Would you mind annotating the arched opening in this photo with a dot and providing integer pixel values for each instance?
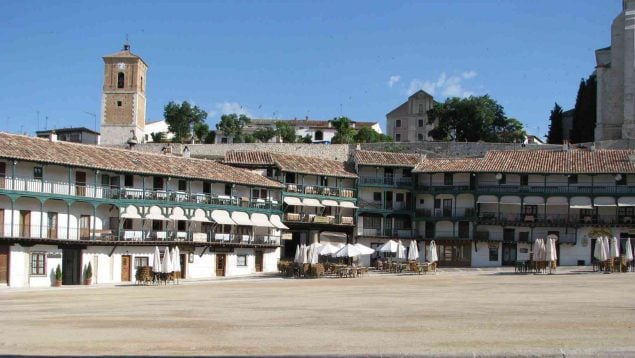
(319, 135)
(120, 80)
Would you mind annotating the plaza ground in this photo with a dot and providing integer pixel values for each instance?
(575, 312)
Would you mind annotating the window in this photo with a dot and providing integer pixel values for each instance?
(420, 137)
(228, 189)
(429, 230)
(398, 123)
(289, 177)
(119, 103)
(319, 135)
(420, 108)
(75, 138)
(37, 173)
(503, 179)
(493, 253)
(407, 172)
(508, 235)
(105, 180)
(241, 260)
(421, 201)
(530, 209)
(223, 140)
(182, 185)
(622, 179)
(324, 181)
(51, 224)
(180, 226)
(120, 80)
(399, 197)
(421, 123)
(523, 236)
(128, 180)
(157, 183)
(127, 224)
(573, 179)
(524, 180)
(376, 196)
(38, 264)
(141, 84)
(157, 225)
(141, 261)
(3, 169)
(448, 179)
(207, 187)
(397, 137)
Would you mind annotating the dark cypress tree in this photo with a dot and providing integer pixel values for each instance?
(555, 125)
(584, 113)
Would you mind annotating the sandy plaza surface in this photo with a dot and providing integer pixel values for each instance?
(455, 312)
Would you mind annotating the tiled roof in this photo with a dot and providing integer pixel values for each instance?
(315, 166)
(248, 157)
(121, 160)
(367, 157)
(564, 162)
(306, 123)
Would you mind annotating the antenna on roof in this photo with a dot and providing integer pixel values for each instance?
(126, 46)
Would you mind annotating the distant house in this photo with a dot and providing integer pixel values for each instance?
(159, 126)
(532, 139)
(75, 135)
(409, 122)
(320, 131)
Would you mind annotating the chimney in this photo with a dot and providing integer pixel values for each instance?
(53, 136)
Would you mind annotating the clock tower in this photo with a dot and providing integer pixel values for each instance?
(123, 103)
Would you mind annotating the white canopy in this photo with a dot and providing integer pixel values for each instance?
(292, 200)
(401, 251)
(312, 252)
(275, 220)
(166, 264)
(413, 252)
(348, 204)
(550, 250)
(557, 200)
(327, 202)
(628, 251)
(156, 260)
(487, 199)
(626, 201)
(534, 200)
(510, 200)
(176, 261)
(155, 214)
(200, 215)
(365, 250)
(348, 251)
(389, 246)
(241, 218)
(312, 202)
(328, 249)
(130, 212)
(580, 202)
(177, 214)
(432, 255)
(604, 201)
(222, 217)
(260, 219)
(615, 247)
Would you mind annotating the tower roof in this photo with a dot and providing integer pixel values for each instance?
(124, 53)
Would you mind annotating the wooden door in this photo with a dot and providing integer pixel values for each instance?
(183, 261)
(125, 268)
(4, 264)
(1, 222)
(3, 174)
(509, 254)
(52, 225)
(259, 258)
(84, 227)
(25, 223)
(220, 264)
(71, 266)
(80, 183)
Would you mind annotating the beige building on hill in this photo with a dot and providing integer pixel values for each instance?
(123, 107)
(409, 122)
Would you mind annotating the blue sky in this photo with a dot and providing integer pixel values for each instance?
(286, 59)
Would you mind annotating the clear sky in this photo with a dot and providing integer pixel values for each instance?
(286, 59)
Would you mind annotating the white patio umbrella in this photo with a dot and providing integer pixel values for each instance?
(298, 255)
(413, 253)
(327, 249)
(401, 251)
(156, 262)
(603, 251)
(607, 247)
(176, 261)
(166, 264)
(431, 255)
(365, 250)
(348, 250)
(389, 246)
(536, 249)
(550, 250)
(312, 256)
(628, 248)
(597, 251)
(615, 247)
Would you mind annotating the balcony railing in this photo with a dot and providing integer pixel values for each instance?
(553, 219)
(442, 188)
(389, 205)
(319, 219)
(320, 190)
(488, 236)
(461, 214)
(386, 181)
(104, 192)
(547, 189)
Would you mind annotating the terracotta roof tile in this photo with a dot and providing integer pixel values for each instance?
(316, 166)
(248, 157)
(121, 160)
(367, 157)
(431, 165)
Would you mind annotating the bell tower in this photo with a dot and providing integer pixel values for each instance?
(123, 104)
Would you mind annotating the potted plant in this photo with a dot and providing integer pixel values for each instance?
(88, 275)
(58, 276)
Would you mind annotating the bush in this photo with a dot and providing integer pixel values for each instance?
(58, 273)
(89, 271)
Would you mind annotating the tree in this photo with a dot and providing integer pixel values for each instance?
(249, 138)
(201, 131)
(285, 132)
(369, 135)
(181, 118)
(344, 129)
(264, 134)
(232, 125)
(584, 113)
(555, 125)
(306, 139)
(472, 119)
(158, 137)
(211, 136)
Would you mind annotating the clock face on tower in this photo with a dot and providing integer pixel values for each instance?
(121, 66)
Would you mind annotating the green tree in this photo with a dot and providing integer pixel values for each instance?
(158, 137)
(181, 119)
(264, 134)
(584, 113)
(285, 132)
(472, 119)
(344, 130)
(555, 125)
(232, 125)
(211, 136)
(369, 135)
(306, 139)
(201, 131)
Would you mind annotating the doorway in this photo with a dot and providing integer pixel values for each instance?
(4, 264)
(259, 258)
(80, 183)
(509, 254)
(125, 268)
(25, 223)
(220, 264)
(181, 274)
(71, 266)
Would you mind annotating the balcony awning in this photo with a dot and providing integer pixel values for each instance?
(155, 214)
(130, 212)
(292, 200)
(534, 200)
(277, 222)
(604, 201)
(178, 214)
(626, 201)
(510, 200)
(327, 202)
(487, 199)
(557, 200)
(222, 217)
(312, 202)
(580, 202)
(261, 220)
(241, 218)
(348, 204)
(200, 215)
